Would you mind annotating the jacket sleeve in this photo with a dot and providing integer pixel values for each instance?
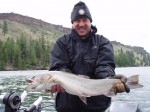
(59, 59)
(105, 64)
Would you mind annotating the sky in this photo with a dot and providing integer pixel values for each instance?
(124, 21)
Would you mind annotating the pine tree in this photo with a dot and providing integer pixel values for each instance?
(17, 57)
(5, 28)
(1, 56)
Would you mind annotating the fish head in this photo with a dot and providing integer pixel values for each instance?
(42, 78)
(31, 87)
(38, 82)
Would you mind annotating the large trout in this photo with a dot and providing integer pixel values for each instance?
(75, 85)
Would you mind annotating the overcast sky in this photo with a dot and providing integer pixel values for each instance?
(125, 21)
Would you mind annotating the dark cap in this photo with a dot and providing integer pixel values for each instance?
(80, 10)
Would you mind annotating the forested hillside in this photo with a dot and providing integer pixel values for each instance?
(25, 43)
(126, 55)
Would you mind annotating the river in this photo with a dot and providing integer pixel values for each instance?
(15, 81)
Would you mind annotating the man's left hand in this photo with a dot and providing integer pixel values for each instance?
(121, 86)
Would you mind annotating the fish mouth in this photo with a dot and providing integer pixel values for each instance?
(29, 80)
(31, 87)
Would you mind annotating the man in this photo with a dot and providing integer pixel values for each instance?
(86, 53)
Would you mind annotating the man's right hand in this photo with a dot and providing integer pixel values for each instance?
(57, 88)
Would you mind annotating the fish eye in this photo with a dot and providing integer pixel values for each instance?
(33, 77)
(34, 87)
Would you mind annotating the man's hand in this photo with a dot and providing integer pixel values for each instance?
(56, 88)
(121, 77)
(121, 86)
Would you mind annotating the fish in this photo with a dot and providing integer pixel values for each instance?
(74, 84)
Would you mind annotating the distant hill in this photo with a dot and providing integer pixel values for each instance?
(32, 27)
(139, 54)
(35, 28)
(32, 21)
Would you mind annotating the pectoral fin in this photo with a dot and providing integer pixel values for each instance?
(52, 96)
(111, 93)
(83, 99)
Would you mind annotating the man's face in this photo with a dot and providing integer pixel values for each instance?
(82, 26)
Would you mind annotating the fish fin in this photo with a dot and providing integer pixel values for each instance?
(52, 96)
(83, 99)
(133, 82)
(84, 76)
(111, 93)
(135, 86)
(134, 79)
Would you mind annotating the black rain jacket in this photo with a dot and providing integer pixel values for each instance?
(92, 56)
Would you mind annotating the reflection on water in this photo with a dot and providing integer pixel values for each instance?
(15, 81)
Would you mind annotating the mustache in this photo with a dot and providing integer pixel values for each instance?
(81, 27)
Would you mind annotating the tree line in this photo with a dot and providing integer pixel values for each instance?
(28, 53)
(25, 53)
(129, 59)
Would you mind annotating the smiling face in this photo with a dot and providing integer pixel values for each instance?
(82, 26)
